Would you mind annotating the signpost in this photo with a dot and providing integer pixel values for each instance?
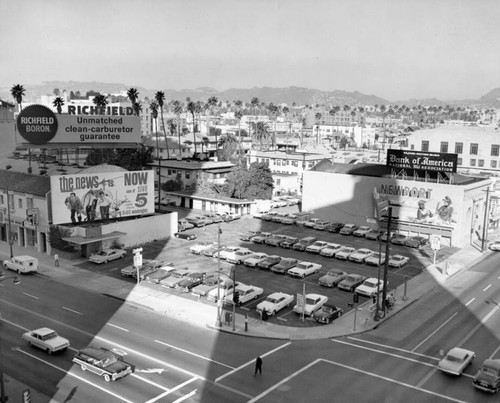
(137, 261)
(435, 241)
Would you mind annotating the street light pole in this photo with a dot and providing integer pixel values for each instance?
(219, 319)
(9, 228)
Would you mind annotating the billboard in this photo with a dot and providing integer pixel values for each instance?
(423, 161)
(39, 125)
(99, 197)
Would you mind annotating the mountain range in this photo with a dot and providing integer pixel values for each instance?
(287, 95)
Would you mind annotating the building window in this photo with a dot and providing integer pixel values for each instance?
(1, 200)
(472, 162)
(278, 182)
(459, 161)
(425, 145)
(188, 175)
(29, 202)
(459, 148)
(495, 150)
(444, 147)
(481, 163)
(278, 162)
(473, 148)
(169, 172)
(412, 147)
(493, 164)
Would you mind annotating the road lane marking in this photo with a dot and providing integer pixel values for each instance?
(391, 347)
(72, 310)
(435, 331)
(470, 302)
(118, 327)
(75, 376)
(274, 387)
(185, 397)
(489, 285)
(31, 296)
(494, 352)
(385, 352)
(150, 382)
(181, 385)
(194, 354)
(251, 362)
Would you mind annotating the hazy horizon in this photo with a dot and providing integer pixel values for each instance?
(393, 49)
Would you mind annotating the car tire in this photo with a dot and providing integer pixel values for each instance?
(273, 313)
(327, 321)
(107, 378)
(83, 367)
(340, 314)
(303, 276)
(49, 351)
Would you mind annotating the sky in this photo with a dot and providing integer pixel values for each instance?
(395, 49)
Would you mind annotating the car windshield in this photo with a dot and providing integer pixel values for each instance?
(489, 371)
(333, 273)
(453, 358)
(102, 253)
(311, 301)
(370, 283)
(351, 279)
(49, 336)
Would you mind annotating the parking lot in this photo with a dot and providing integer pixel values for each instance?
(176, 251)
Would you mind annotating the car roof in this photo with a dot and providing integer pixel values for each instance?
(43, 331)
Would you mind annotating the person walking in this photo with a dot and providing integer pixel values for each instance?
(56, 260)
(258, 366)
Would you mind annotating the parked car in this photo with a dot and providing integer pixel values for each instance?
(416, 242)
(456, 360)
(332, 278)
(245, 292)
(288, 242)
(495, 246)
(362, 231)
(316, 247)
(275, 240)
(247, 236)
(321, 225)
(224, 288)
(290, 219)
(268, 216)
(212, 250)
(360, 255)
(284, 265)
(387, 235)
(348, 229)
(312, 303)
(398, 260)
(304, 243)
(225, 252)
(107, 255)
(311, 222)
(269, 262)
(374, 234)
(198, 221)
(345, 252)
(227, 217)
(190, 281)
(214, 218)
(399, 239)
(46, 339)
(184, 225)
(252, 261)
(371, 286)
(274, 303)
(209, 283)
(351, 282)
(330, 249)
(377, 259)
(335, 227)
(488, 376)
(261, 238)
(239, 256)
(200, 247)
(22, 264)
(103, 362)
(303, 269)
(149, 268)
(189, 236)
(160, 274)
(175, 277)
(147, 264)
(278, 217)
(327, 313)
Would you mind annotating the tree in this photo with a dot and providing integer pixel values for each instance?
(229, 144)
(317, 117)
(238, 115)
(133, 96)
(212, 103)
(261, 132)
(177, 109)
(191, 108)
(58, 104)
(160, 100)
(17, 92)
(100, 101)
(250, 183)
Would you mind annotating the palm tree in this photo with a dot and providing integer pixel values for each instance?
(212, 103)
(100, 101)
(177, 109)
(58, 104)
(160, 100)
(261, 132)
(254, 103)
(191, 108)
(317, 117)
(133, 95)
(137, 108)
(238, 115)
(17, 92)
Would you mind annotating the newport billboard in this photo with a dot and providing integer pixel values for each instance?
(100, 197)
(422, 161)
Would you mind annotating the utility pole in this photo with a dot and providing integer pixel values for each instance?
(9, 227)
(386, 264)
(485, 222)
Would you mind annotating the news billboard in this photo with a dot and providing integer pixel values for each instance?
(422, 161)
(40, 126)
(100, 197)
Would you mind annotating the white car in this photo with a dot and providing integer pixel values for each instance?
(245, 293)
(176, 276)
(274, 302)
(227, 251)
(456, 360)
(312, 303)
(362, 231)
(221, 291)
(371, 286)
(330, 249)
(360, 255)
(376, 259)
(46, 339)
(345, 252)
(311, 222)
(304, 269)
(316, 247)
(200, 247)
(254, 260)
(239, 256)
(495, 246)
(107, 255)
(398, 260)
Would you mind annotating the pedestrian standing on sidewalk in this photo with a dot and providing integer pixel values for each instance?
(258, 366)
(56, 260)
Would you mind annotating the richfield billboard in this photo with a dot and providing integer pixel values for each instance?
(100, 197)
(40, 126)
(422, 161)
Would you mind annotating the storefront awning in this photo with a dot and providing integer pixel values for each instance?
(80, 240)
